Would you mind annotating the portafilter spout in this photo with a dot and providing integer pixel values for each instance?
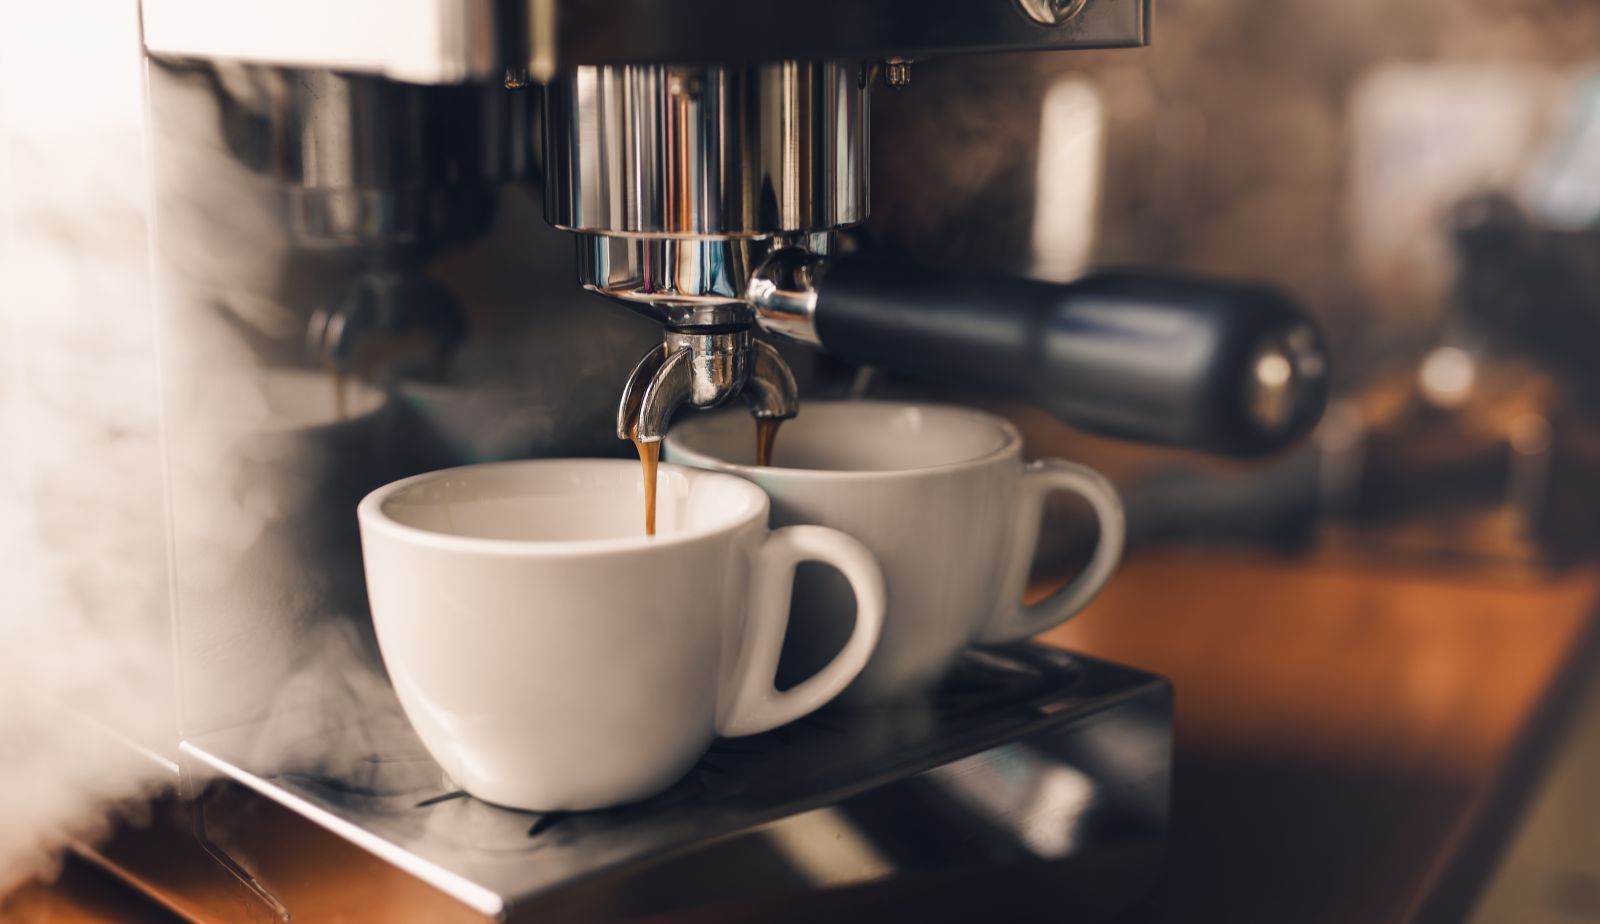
(704, 368)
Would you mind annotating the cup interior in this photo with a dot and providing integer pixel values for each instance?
(582, 501)
(849, 436)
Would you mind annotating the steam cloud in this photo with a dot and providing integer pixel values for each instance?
(85, 669)
(89, 687)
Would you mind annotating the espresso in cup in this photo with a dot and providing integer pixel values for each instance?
(551, 656)
(942, 498)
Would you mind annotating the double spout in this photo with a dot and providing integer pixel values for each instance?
(705, 365)
(705, 369)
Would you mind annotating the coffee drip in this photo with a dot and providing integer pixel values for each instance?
(650, 462)
(766, 436)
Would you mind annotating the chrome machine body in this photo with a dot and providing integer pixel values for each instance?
(364, 218)
(680, 181)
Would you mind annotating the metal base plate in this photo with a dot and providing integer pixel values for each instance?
(1026, 754)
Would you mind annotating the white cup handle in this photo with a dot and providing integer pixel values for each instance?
(757, 705)
(1013, 621)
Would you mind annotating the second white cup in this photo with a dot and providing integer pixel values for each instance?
(942, 498)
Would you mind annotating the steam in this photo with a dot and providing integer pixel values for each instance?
(90, 685)
(86, 700)
(337, 718)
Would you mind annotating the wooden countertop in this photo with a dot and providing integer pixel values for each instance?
(1351, 737)
(1348, 737)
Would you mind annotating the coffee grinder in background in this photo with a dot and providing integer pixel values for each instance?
(364, 223)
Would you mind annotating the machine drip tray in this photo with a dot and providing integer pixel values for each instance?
(1028, 754)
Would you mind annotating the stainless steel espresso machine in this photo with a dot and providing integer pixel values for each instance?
(364, 220)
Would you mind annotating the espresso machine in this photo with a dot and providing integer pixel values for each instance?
(364, 219)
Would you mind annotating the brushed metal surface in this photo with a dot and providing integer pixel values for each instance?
(1030, 754)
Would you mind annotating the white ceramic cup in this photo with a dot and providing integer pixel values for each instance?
(942, 498)
(551, 656)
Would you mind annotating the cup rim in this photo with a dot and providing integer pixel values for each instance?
(1012, 447)
(371, 515)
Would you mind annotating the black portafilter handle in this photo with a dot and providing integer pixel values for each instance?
(1199, 364)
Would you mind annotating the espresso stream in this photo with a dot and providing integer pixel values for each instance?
(766, 436)
(650, 462)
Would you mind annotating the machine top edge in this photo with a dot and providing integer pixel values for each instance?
(454, 41)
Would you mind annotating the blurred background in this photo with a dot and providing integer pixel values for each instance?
(1423, 180)
(1383, 641)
